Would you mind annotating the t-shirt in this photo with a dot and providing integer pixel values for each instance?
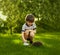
(26, 27)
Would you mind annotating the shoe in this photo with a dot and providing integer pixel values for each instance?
(26, 44)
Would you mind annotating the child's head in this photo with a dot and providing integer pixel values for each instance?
(30, 19)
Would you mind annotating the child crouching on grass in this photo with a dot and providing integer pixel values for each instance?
(28, 29)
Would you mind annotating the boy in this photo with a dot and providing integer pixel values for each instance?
(28, 29)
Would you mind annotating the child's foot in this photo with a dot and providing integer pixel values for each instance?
(26, 44)
(31, 42)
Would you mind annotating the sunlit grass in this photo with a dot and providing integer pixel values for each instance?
(13, 45)
(17, 41)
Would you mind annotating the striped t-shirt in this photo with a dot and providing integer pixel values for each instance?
(26, 27)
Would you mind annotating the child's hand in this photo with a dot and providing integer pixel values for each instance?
(25, 40)
(30, 30)
(34, 31)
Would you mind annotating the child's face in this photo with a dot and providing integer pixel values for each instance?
(29, 23)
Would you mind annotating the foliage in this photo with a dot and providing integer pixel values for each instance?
(45, 11)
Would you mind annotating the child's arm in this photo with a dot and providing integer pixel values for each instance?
(23, 29)
(23, 37)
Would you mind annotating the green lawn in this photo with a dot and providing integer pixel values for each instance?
(12, 45)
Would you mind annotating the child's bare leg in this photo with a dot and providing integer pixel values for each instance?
(31, 36)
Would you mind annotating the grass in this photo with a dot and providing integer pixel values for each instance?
(12, 45)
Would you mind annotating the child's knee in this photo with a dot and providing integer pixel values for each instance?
(32, 34)
(25, 35)
(27, 32)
